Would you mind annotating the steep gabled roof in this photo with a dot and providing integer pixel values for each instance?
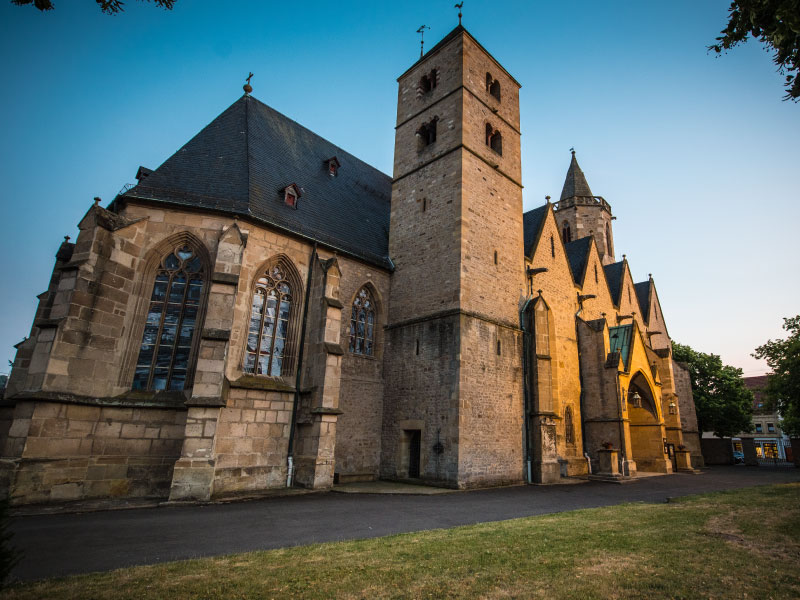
(614, 274)
(578, 256)
(240, 163)
(575, 183)
(642, 290)
(532, 222)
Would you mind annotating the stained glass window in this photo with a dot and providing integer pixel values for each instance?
(362, 324)
(269, 324)
(169, 330)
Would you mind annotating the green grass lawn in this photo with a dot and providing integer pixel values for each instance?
(739, 544)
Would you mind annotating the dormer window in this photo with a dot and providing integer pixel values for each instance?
(493, 86)
(333, 166)
(426, 134)
(291, 194)
(427, 83)
(493, 139)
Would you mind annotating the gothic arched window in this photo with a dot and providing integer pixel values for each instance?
(269, 324)
(492, 86)
(168, 341)
(566, 234)
(494, 139)
(362, 324)
(569, 429)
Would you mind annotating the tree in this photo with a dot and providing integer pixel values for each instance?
(776, 23)
(110, 7)
(783, 384)
(724, 404)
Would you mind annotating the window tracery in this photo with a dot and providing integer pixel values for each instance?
(269, 324)
(362, 324)
(168, 340)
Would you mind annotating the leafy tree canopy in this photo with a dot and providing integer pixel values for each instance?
(776, 23)
(110, 7)
(783, 384)
(723, 403)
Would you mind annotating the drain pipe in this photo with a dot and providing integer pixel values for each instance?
(296, 403)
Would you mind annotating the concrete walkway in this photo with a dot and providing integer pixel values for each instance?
(63, 544)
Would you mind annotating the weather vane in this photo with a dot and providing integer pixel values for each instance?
(247, 87)
(459, 6)
(572, 150)
(421, 32)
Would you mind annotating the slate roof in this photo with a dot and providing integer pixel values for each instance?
(578, 255)
(614, 273)
(575, 183)
(531, 224)
(240, 163)
(642, 290)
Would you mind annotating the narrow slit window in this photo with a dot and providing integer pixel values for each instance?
(552, 247)
(417, 348)
(498, 347)
(495, 257)
(566, 234)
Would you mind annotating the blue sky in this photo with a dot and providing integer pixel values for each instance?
(697, 155)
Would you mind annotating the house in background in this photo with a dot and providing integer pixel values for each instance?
(770, 442)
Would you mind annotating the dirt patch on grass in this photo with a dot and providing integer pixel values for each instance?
(724, 527)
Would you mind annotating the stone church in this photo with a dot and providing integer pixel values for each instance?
(266, 310)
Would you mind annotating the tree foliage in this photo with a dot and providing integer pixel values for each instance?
(110, 7)
(723, 403)
(783, 384)
(776, 23)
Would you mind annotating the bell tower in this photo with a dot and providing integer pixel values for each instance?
(453, 388)
(580, 213)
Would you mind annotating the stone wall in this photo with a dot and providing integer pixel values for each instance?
(72, 451)
(691, 433)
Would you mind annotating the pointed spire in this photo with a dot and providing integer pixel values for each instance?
(575, 184)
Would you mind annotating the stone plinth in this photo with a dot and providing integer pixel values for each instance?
(683, 460)
(608, 462)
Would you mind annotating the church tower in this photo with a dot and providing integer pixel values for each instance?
(580, 213)
(453, 388)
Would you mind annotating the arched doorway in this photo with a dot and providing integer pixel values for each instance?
(646, 426)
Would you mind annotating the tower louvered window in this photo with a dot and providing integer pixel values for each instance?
(269, 324)
(168, 340)
(362, 324)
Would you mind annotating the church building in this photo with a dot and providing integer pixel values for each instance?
(264, 310)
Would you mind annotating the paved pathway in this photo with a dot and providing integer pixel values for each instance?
(63, 544)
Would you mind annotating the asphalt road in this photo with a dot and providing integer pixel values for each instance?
(64, 544)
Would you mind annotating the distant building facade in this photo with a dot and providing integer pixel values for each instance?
(769, 441)
(264, 310)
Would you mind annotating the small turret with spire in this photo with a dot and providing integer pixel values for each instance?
(580, 213)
